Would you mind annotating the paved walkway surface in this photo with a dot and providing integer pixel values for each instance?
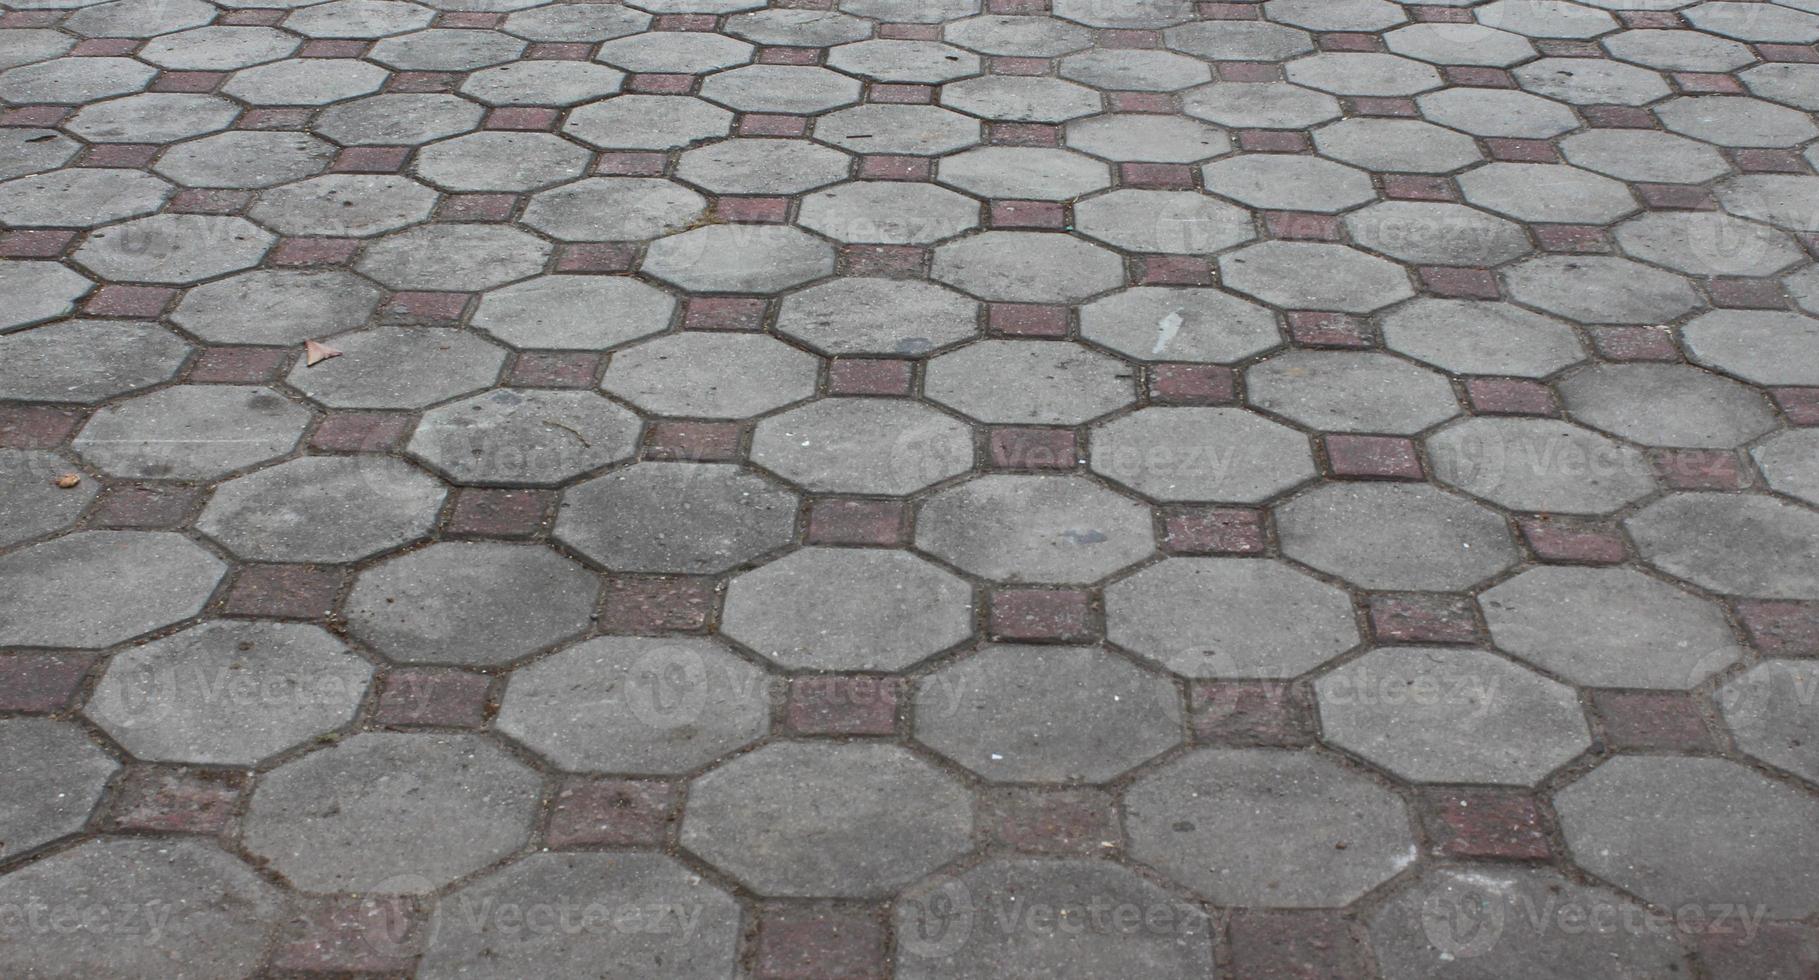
(1068, 488)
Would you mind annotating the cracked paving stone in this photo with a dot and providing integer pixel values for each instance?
(229, 692)
(1768, 709)
(848, 609)
(31, 503)
(87, 361)
(1540, 465)
(33, 292)
(1396, 145)
(56, 777)
(762, 166)
(1450, 715)
(80, 198)
(1732, 544)
(454, 257)
(1352, 281)
(888, 213)
(781, 88)
(501, 161)
(1027, 267)
(647, 122)
(574, 312)
(174, 248)
(738, 259)
(1395, 536)
(1437, 234)
(1022, 172)
(639, 705)
(1201, 454)
(815, 819)
(1471, 337)
(344, 205)
(1229, 618)
(153, 118)
(1017, 98)
(711, 375)
(1060, 529)
(1768, 348)
(1789, 462)
(387, 813)
(323, 509)
(524, 437)
(1667, 405)
(1677, 830)
(1268, 827)
(878, 316)
(399, 367)
(695, 518)
(277, 306)
(1175, 222)
(398, 119)
(476, 603)
(1609, 627)
(1148, 138)
(192, 432)
(1600, 289)
(863, 445)
(1260, 105)
(217, 914)
(93, 589)
(667, 922)
(613, 209)
(1208, 325)
(1029, 382)
(912, 130)
(1351, 391)
(1034, 714)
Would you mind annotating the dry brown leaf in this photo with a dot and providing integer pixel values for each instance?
(69, 480)
(315, 353)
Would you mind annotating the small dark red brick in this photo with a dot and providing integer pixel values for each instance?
(789, 56)
(1174, 270)
(188, 81)
(1248, 71)
(332, 48)
(1033, 448)
(555, 369)
(314, 251)
(659, 84)
(1349, 41)
(695, 442)
(1746, 294)
(1042, 615)
(869, 376)
(683, 22)
(797, 943)
(1214, 531)
(837, 704)
(1028, 214)
(477, 207)
(133, 301)
(36, 426)
(1023, 134)
(1249, 713)
(1576, 239)
(648, 604)
(104, 47)
(372, 934)
(899, 94)
(1653, 721)
(1299, 945)
(1129, 38)
(1649, 19)
(284, 591)
(1617, 117)
(1459, 283)
(1419, 187)
(1706, 83)
(205, 200)
(362, 432)
(168, 799)
(1700, 469)
(143, 505)
(36, 243)
(239, 365)
(833, 520)
(630, 163)
(1573, 542)
(1477, 76)
(130, 155)
(1050, 821)
(1141, 102)
(1635, 344)
(371, 159)
(41, 683)
(1781, 627)
(1018, 66)
(884, 167)
(490, 512)
(590, 812)
(763, 124)
(1676, 197)
(1375, 105)
(35, 116)
(433, 696)
(558, 51)
(595, 258)
(1193, 384)
(1800, 405)
(1483, 823)
(1274, 141)
(1510, 396)
(1157, 176)
(1027, 320)
(1362, 457)
(1317, 328)
(1523, 150)
(1802, 53)
(752, 210)
(887, 261)
(1303, 226)
(723, 313)
(1423, 618)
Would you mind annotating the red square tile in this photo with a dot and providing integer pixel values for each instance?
(869, 376)
(43, 243)
(1700, 469)
(1285, 945)
(1423, 619)
(1174, 270)
(597, 258)
(1652, 721)
(833, 520)
(1360, 457)
(1251, 713)
(886, 261)
(371, 159)
(1274, 141)
(761, 124)
(169, 799)
(1800, 405)
(347, 934)
(39, 683)
(1074, 821)
(285, 591)
(1675, 197)
(1380, 106)
(36, 426)
(1156, 176)
(1746, 294)
(1481, 823)
(523, 118)
(314, 251)
(1154, 102)
(1418, 187)
(695, 442)
(1193, 384)
(630, 164)
(879, 167)
(899, 94)
(239, 365)
(752, 210)
(1510, 396)
(1459, 283)
(362, 432)
(1042, 615)
(1303, 226)
(1214, 531)
(1027, 320)
(134, 301)
(1320, 329)
(657, 84)
(723, 313)
(1028, 214)
(1635, 344)
(555, 369)
(477, 207)
(1780, 627)
(145, 505)
(1022, 134)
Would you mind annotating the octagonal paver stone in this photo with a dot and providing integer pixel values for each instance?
(216, 914)
(54, 776)
(1135, 70)
(614, 209)
(389, 813)
(345, 205)
(1737, 121)
(1791, 84)
(669, 52)
(949, 928)
(1268, 827)
(1061, 529)
(1609, 627)
(1745, 545)
(174, 248)
(1546, 192)
(798, 28)
(1029, 382)
(358, 19)
(1229, 618)
(1644, 155)
(856, 315)
(1747, 23)
(455, 257)
(477, 603)
(637, 704)
(1476, 920)
(542, 83)
(399, 367)
(1176, 222)
(1260, 105)
(67, 81)
(1027, 267)
(697, 518)
(1031, 37)
(87, 361)
(1769, 709)
(848, 609)
(647, 122)
(739, 259)
(711, 375)
(218, 48)
(911, 130)
(500, 161)
(229, 692)
(863, 445)
(1395, 536)
(1362, 73)
(1033, 714)
(1475, 337)
(1024, 173)
(1678, 830)
(245, 159)
(1288, 183)
(1678, 50)
(1451, 715)
(1498, 112)
(157, 117)
(891, 60)
(277, 306)
(192, 432)
(1590, 81)
(883, 212)
(1789, 462)
(93, 589)
(138, 18)
(1396, 145)
(80, 197)
(1600, 289)
(1437, 234)
(446, 50)
(660, 921)
(815, 819)
(1157, 323)
(795, 89)
(1351, 391)
(1545, 18)
(1201, 454)
(1460, 44)
(574, 312)
(1708, 243)
(1351, 281)
(323, 508)
(306, 81)
(33, 292)
(25, 150)
(1149, 138)
(1803, 286)
(407, 119)
(762, 166)
(1667, 405)
(31, 502)
(1540, 465)
(1784, 200)
(1769, 348)
(524, 437)
(1021, 98)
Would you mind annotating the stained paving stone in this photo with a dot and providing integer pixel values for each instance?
(1058, 529)
(1600, 289)
(676, 517)
(1175, 942)
(1768, 709)
(672, 53)
(1586, 81)
(1229, 618)
(863, 445)
(1022, 36)
(31, 502)
(38, 291)
(399, 367)
(344, 205)
(877, 316)
(524, 437)
(192, 432)
(1737, 545)
(26, 150)
(848, 609)
(470, 602)
(1351, 391)
(916, 130)
(152, 118)
(1036, 382)
(1609, 627)
(87, 361)
(1395, 536)
(1673, 830)
(69, 82)
(358, 19)
(827, 819)
(609, 209)
(322, 509)
(221, 913)
(1765, 347)
(1227, 455)
(1451, 715)
(574, 312)
(399, 119)
(666, 922)
(738, 258)
(1789, 463)
(173, 248)
(711, 375)
(229, 693)
(96, 588)
(81, 198)
(1324, 834)
(387, 813)
(56, 777)
(1354, 281)
(780, 88)
(1014, 98)
(1437, 234)
(1540, 465)
(1150, 323)
(1667, 405)
(637, 705)
(1471, 337)
(647, 122)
